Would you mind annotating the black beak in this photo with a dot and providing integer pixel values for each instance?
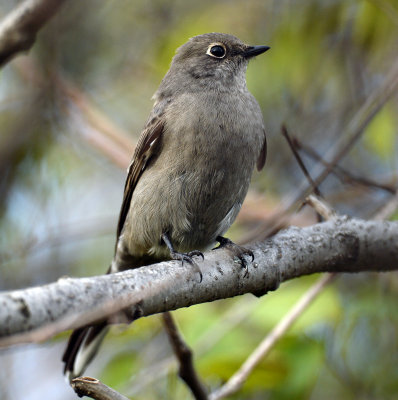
(252, 51)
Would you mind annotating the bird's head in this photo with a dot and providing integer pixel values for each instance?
(214, 57)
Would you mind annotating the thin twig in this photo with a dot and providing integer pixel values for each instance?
(388, 209)
(321, 207)
(299, 160)
(184, 356)
(237, 380)
(342, 173)
(91, 387)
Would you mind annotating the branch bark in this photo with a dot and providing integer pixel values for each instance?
(19, 28)
(339, 245)
(91, 387)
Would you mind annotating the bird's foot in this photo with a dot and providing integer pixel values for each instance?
(175, 255)
(237, 251)
(188, 257)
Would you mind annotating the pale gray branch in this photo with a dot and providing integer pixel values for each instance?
(19, 28)
(339, 245)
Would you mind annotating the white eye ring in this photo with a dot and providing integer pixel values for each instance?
(213, 49)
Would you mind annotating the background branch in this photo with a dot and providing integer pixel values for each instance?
(184, 355)
(19, 28)
(344, 175)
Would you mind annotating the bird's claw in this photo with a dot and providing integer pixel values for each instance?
(244, 264)
(237, 251)
(196, 253)
(175, 255)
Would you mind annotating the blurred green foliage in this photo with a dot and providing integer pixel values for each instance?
(60, 195)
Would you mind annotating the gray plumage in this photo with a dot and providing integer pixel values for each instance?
(192, 166)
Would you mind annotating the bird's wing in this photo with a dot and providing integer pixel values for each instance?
(84, 342)
(147, 147)
(263, 155)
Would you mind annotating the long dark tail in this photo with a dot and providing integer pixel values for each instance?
(84, 342)
(82, 347)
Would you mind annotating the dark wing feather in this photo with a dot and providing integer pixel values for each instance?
(263, 155)
(148, 145)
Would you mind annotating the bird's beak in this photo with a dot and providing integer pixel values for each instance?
(252, 51)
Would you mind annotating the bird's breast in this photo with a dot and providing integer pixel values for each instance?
(195, 186)
(213, 129)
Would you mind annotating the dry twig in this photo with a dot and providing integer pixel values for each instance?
(341, 173)
(388, 209)
(321, 207)
(91, 387)
(184, 356)
(300, 162)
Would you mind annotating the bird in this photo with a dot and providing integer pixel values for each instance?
(190, 170)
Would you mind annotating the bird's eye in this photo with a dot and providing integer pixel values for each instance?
(216, 50)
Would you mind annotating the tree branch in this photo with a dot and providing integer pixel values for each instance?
(299, 160)
(91, 387)
(338, 245)
(186, 369)
(344, 175)
(19, 28)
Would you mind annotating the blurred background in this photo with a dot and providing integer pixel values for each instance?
(70, 113)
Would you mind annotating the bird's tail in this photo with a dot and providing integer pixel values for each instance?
(82, 347)
(84, 342)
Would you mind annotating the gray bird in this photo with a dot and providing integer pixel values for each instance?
(191, 168)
